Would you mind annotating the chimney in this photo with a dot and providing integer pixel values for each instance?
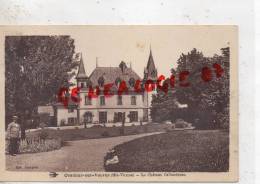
(122, 66)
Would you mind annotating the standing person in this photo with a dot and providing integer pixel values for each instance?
(14, 135)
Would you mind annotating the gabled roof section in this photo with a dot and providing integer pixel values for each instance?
(110, 74)
(81, 70)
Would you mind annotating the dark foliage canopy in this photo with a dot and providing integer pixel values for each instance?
(208, 101)
(36, 67)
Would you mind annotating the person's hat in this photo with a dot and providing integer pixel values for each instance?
(15, 117)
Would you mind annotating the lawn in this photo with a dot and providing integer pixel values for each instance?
(99, 132)
(175, 151)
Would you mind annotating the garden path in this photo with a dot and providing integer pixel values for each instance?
(82, 155)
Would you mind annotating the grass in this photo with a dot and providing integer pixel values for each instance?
(176, 151)
(99, 132)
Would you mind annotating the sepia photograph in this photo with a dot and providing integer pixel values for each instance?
(130, 101)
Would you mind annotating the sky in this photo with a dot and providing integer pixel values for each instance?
(109, 45)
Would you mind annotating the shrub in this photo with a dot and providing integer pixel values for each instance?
(34, 145)
(223, 119)
(167, 129)
(121, 131)
(32, 123)
(105, 134)
(136, 131)
(97, 126)
(43, 134)
(180, 123)
(145, 128)
(42, 125)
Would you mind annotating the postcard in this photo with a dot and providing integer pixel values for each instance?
(119, 103)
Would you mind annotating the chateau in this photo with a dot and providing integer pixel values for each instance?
(130, 106)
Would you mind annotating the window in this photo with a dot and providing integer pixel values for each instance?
(102, 117)
(119, 116)
(70, 110)
(88, 100)
(133, 116)
(101, 81)
(102, 100)
(119, 100)
(153, 73)
(133, 100)
(82, 85)
(131, 82)
(88, 117)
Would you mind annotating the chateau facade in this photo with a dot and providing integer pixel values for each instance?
(129, 106)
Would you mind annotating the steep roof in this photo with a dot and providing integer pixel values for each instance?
(110, 75)
(150, 64)
(81, 70)
(150, 72)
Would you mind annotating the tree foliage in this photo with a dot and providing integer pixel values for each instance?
(208, 101)
(36, 67)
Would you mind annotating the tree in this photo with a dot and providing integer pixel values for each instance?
(207, 96)
(206, 99)
(36, 67)
(164, 106)
(221, 91)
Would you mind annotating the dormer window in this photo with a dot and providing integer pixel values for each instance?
(153, 73)
(131, 82)
(101, 81)
(82, 84)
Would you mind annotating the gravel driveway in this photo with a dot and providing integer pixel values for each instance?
(83, 155)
